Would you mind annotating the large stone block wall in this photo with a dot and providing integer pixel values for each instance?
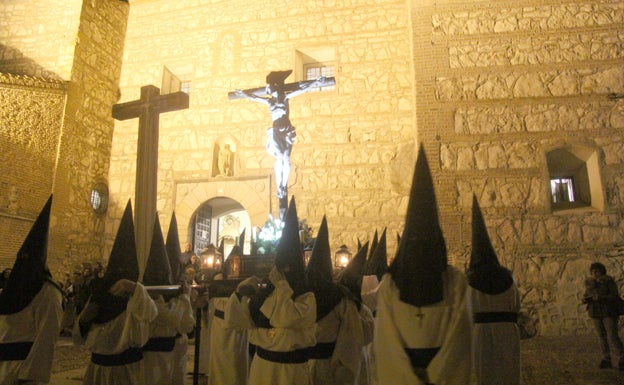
(59, 136)
(349, 161)
(37, 38)
(501, 84)
(31, 113)
(85, 143)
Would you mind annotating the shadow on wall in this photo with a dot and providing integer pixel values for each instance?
(12, 61)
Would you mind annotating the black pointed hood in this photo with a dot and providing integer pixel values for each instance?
(289, 251)
(289, 254)
(319, 274)
(241, 240)
(174, 252)
(352, 275)
(421, 258)
(30, 270)
(157, 268)
(485, 272)
(373, 245)
(237, 250)
(319, 269)
(378, 261)
(122, 264)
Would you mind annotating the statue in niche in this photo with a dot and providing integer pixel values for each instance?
(281, 136)
(224, 160)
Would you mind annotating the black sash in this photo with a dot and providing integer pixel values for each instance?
(499, 316)
(322, 350)
(126, 357)
(219, 314)
(298, 356)
(14, 351)
(160, 344)
(420, 359)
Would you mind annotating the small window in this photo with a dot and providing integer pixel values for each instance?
(562, 190)
(172, 83)
(314, 62)
(574, 176)
(185, 86)
(315, 70)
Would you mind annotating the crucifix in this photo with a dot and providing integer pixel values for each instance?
(147, 109)
(281, 136)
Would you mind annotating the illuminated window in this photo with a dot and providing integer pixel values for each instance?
(315, 70)
(172, 83)
(574, 178)
(562, 190)
(314, 62)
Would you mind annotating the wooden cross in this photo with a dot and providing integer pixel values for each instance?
(147, 109)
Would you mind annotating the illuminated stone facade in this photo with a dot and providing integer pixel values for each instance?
(490, 88)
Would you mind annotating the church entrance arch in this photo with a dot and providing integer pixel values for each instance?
(200, 205)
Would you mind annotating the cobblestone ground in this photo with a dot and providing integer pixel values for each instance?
(569, 360)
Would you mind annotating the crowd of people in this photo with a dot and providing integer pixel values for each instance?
(417, 320)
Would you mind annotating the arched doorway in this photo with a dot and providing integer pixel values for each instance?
(251, 194)
(219, 220)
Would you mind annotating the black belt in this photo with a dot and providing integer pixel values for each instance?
(219, 314)
(298, 356)
(160, 344)
(495, 316)
(420, 358)
(126, 357)
(322, 350)
(14, 351)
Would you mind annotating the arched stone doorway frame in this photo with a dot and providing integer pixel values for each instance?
(253, 193)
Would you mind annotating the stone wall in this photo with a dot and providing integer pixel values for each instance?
(37, 38)
(84, 150)
(503, 83)
(59, 118)
(348, 162)
(30, 123)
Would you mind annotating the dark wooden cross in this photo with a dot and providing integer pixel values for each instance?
(148, 109)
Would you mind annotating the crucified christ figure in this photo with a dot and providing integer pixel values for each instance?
(281, 136)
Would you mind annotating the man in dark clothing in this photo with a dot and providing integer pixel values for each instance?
(601, 297)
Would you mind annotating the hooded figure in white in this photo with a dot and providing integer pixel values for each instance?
(495, 303)
(336, 357)
(115, 323)
(280, 316)
(228, 362)
(422, 335)
(30, 311)
(351, 278)
(175, 315)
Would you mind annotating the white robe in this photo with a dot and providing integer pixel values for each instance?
(130, 329)
(174, 317)
(368, 328)
(40, 323)
(229, 357)
(370, 286)
(294, 327)
(446, 325)
(343, 326)
(496, 346)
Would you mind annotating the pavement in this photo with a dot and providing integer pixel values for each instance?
(564, 360)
